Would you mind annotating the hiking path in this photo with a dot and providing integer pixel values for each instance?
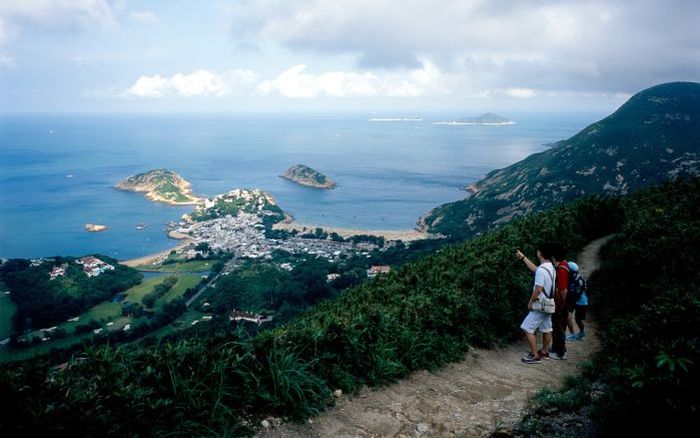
(488, 390)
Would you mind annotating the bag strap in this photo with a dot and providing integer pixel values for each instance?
(551, 277)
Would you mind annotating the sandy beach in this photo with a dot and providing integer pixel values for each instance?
(405, 235)
(148, 259)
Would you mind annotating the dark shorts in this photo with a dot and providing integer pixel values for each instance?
(580, 312)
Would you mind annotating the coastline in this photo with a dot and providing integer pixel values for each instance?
(404, 235)
(150, 258)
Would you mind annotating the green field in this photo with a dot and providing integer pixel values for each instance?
(104, 313)
(7, 311)
(185, 266)
(184, 282)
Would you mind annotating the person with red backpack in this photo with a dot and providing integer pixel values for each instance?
(561, 313)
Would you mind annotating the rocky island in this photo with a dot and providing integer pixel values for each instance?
(161, 185)
(484, 119)
(95, 228)
(306, 176)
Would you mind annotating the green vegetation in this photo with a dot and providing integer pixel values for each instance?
(71, 333)
(8, 309)
(160, 185)
(186, 266)
(184, 282)
(422, 316)
(306, 176)
(42, 302)
(652, 137)
(249, 201)
(646, 299)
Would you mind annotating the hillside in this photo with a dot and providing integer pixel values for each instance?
(654, 136)
(422, 316)
(306, 176)
(161, 185)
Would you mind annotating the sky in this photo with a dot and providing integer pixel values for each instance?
(319, 55)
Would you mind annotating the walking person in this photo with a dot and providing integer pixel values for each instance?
(538, 319)
(577, 295)
(561, 314)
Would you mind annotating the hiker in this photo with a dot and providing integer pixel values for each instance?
(561, 314)
(539, 317)
(577, 296)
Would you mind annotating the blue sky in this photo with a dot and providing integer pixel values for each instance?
(250, 55)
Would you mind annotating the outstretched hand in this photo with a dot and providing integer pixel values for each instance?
(519, 254)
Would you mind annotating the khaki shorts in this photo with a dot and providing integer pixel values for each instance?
(537, 321)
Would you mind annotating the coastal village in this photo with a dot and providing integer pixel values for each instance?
(244, 236)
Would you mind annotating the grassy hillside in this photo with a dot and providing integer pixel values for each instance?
(646, 300)
(653, 137)
(421, 316)
(161, 185)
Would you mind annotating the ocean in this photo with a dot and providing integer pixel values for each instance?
(57, 172)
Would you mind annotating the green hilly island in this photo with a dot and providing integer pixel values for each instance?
(309, 177)
(485, 119)
(161, 185)
(652, 137)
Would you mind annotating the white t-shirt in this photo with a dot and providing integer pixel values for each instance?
(542, 278)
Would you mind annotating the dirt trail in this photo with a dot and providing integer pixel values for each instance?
(489, 389)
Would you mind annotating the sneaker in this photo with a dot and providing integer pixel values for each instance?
(543, 354)
(557, 356)
(530, 358)
(581, 335)
(572, 337)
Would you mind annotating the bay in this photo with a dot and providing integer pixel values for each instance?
(57, 172)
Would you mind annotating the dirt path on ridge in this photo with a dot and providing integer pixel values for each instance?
(489, 389)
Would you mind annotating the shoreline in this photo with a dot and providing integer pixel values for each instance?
(150, 258)
(404, 235)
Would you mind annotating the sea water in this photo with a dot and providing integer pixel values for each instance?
(57, 172)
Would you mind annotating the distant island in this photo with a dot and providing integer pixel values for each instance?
(306, 176)
(95, 228)
(484, 119)
(397, 119)
(161, 185)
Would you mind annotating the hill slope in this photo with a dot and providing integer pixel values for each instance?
(654, 136)
(161, 185)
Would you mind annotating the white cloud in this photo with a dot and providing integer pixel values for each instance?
(6, 34)
(296, 82)
(520, 93)
(590, 46)
(144, 17)
(201, 83)
(52, 15)
(59, 14)
(80, 60)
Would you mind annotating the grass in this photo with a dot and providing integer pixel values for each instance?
(7, 311)
(184, 282)
(186, 266)
(103, 313)
(136, 293)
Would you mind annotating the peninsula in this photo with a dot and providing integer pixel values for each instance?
(252, 201)
(161, 185)
(484, 119)
(306, 176)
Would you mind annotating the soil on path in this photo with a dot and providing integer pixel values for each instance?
(486, 391)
